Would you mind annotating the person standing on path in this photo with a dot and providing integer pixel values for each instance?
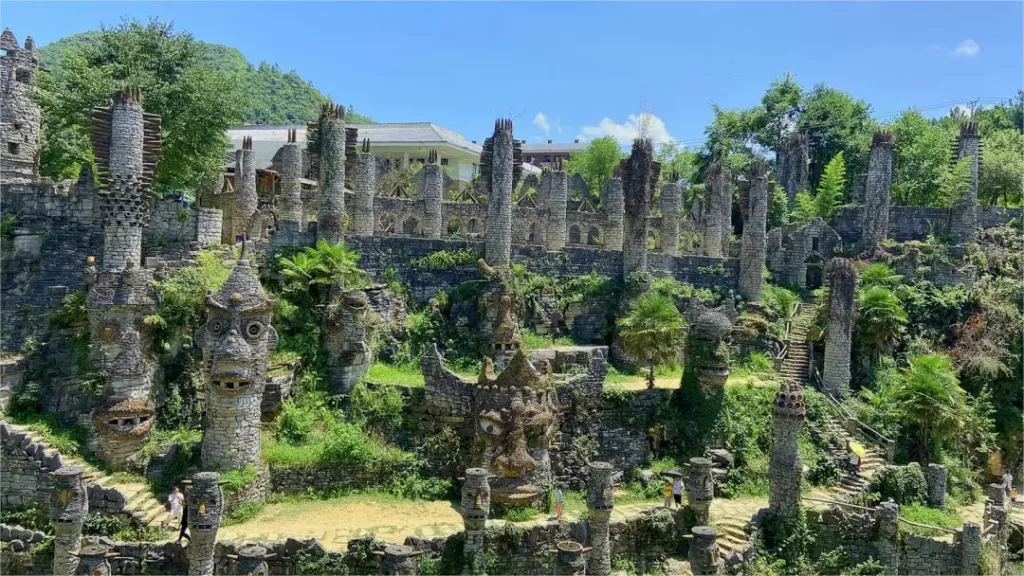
(1007, 481)
(559, 499)
(184, 522)
(667, 490)
(677, 492)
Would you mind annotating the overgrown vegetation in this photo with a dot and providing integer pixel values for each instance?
(446, 259)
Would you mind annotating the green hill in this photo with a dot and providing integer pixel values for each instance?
(275, 97)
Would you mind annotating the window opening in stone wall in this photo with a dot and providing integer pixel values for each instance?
(574, 235)
(814, 244)
(24, 76)
(533, 232)
(594, 236)
(13, 147)
(472, 226)
(444, 161)
(410, 227)
(17, 126)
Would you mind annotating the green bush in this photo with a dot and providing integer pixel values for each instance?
(243, 512)
(905, 484)
(379, 411)
(932, 516)
(237, 480)
(446, 259)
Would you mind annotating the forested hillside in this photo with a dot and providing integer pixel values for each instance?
(273, 96)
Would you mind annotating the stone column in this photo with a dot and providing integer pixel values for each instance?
(600, 502)
(126, 134)
(887, 542)
(331, 214)
(670, 202)
(964, 215)
(252, 561)
(970, 549)
(433, 195)
(205, 503)
(996, 513)
(554, 186)
(754, 243)
(614, 212)
(724, 199)
(476, 504)
(498, 237)
(715, 184)
(570, 560)
(94, 560)
(937, 476)
(126, 210)
(364, 182)
(700, 489)
(785, 468)
(20, 115)
(842, 279)
(346, 342)
(69, 507)
(794, 166)
(399, 560)
(704, 557)
(875, 224)
(246, 199)
(638, 171)
(290, 213)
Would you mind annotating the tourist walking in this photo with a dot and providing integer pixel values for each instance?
(677, 491)
(184, 522)
(1007, 482)
(667, 490)
(175, 500)
(559, 499)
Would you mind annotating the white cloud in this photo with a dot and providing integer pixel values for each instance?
(541, 121)
(968, 48)
(625, 133)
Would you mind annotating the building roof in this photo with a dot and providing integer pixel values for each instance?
(554, 148)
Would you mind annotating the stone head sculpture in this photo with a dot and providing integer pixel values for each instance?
(94, 560)
(516, 421)
(69, 502)
(476, 498)
(252, 561)
(709, 349)
(399, 560)
(205, 502)
(122, 428)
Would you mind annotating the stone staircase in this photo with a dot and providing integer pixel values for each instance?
(128, 498)
(850, 485)
(794, 367)
(733, 538)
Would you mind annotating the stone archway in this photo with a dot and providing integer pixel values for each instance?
(814, 271)
(574, 235)
(411, 227)
(594, 237)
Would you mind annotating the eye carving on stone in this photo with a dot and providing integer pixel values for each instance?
(254, 329)
(216, 326)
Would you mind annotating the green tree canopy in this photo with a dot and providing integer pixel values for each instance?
(652, 331)
(1002, 168)
(922, 156)
(881, 320)
(835, 121)
(596, 163)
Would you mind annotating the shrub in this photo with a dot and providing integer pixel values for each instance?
(379, 411)
(904, 484)
(239, 479)
(446, 259)
(243, 512)
(923, 515)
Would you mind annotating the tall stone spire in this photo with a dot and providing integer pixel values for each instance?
(754, 243)
(639, 176)
(785, 473)
(205, 501)
(330, 142)
(290, 214)
(877, 193)
(554, 186)
(432, 195)
(614, 206)
(500, 167)
(964, 218)
(20, 115)
(364, 186)
(476, 505)
(600, 502)
(842, 279)
(671, 198)
(793, 166)
(715, 184)
(69, 507)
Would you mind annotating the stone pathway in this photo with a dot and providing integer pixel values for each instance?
(794, 367)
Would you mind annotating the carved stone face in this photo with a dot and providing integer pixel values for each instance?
(709, 349)
(127, 419)
(69, 502)
(253, 560)
(205, 503)
(517, 418)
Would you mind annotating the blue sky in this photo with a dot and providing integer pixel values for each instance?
(568, 70)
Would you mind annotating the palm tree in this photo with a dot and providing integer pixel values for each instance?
(881, 320)
(652, 331)
(931, 403)
(879, 274)
(318, 266)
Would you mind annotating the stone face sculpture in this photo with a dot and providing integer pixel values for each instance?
(69, 507)
(399, 560)
(476, 505)
(707, 354)
(704, 557)
(236, 342)
(600, 502)
(497, 306)
(570, 559)
(516, 420)
(94, 560)
(205, 502)
(700, 488)
(347, 341)
(252, 561)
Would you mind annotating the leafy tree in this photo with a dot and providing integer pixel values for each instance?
(804, 209)
(1002, 168)
(675, 158)
(835, 122)
(830, 189)
(922, 156)
(197, 104)
(931, 403)
(652, 331)
(316, 269)
(781, 108)
(596, 163)
(1008, 115)
(777, 210)
(880, 274)
(730, 138)
(953, 184)
(881, 320)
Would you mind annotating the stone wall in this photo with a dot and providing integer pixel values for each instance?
(335, 476)
(172, 222)
(915, 222)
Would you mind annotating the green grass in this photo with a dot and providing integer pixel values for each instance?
(67, 441)
(534, 341)
(402, 375)
(949, 518)
(343, 443)
(519, 514)
(238, 480)
(243, 513)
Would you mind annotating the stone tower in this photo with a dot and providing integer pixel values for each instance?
(600, 502)
(20, 116)
(964, 217)
(252, 561)
(69, 507)
(877, 194)
(887, 538)
(205, 502)
(793, 166)
(476, 505)
(346, 342)
(432, 196)
(554, 189)
(700, 489)
(703, 556)
(245, 201)
(715, 184)
(671, 198)
(639, 176)
(784, 468)
(614, 209)
(328, 138)
(290, 214)
(937, 476)
(500, 166)
(364, 186)
(842, 279)
(236, 342)
(754, 244)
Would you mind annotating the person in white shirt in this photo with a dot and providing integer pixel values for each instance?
(175, 500)
(677, 491)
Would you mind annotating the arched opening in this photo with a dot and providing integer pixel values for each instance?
(386, 226)
(471, 226)
(533, 233)
(574, 234)
(454, 225)
(815, 267)
(410, 227)
(594, 236)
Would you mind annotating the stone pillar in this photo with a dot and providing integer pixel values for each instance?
(638, 172)
(704, 557)
(126, 210)
(433, 195)
(252, 561)
(205, 502)
(554, 186)
(331, 133)
(964, 215)
(785, 468)
(399, 560)
(246, 199)
(290, 213)
(614, 212)
(937, 476)
(94, 560)
(570, 560)
(69, 507)
(794, 166)
(670, 213)
(997, 507)
(600, 502)
(20, 115)
(236, 342)
(364, 183)
(887, 541)
(842, 279)
(498, 237)
(970, 549)
(126, 135)
(755, 238)
(345, 338)
(724, 199)
(715, 185)
(476, 504)
(875, 223)
(700, 489)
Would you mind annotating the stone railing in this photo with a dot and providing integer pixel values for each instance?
(852, 424)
